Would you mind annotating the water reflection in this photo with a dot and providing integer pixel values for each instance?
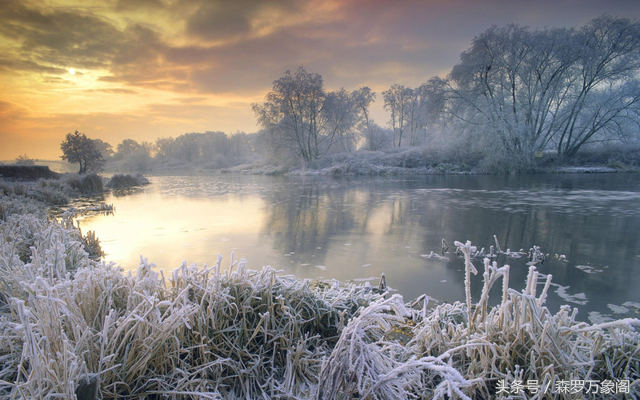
(358, 228)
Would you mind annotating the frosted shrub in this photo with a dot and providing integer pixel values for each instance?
(368, 363)
(50, 196)
(10, 205)
(89, 184)
(122, 181)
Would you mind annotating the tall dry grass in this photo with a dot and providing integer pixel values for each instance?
(464, 350)
(202, 333)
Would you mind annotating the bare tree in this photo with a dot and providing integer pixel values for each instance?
(362, 99)
(397, 101)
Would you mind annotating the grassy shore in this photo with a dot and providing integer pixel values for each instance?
(429, 161)
(74, 327)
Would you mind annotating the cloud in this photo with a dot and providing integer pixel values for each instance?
(12, 65)
(139, 5)
(49, 38)
(202, 46)
(223, 47)
(199, 64)
(216, 21)
(112, 90)
(190, 100)
(9, 112)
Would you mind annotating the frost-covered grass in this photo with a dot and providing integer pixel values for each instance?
(126, 181)
(54, 192)
(69, 324)
(463, 158)
(402, 161)
(235, 333)
(256, 169)
(464, 350)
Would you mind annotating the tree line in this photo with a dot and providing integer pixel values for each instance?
(516, 93)
(209, 150)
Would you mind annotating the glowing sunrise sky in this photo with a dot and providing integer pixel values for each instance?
(143, 69)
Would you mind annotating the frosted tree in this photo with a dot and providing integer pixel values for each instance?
(417, 113)
(409, 108)
(341, 119)
(300, 119)
(526, 90)
(362, 99)
(104, 148)
(397, 102)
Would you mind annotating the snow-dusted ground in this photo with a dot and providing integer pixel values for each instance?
(403, 161)
(585, 170)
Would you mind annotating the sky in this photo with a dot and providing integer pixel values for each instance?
(144, 69)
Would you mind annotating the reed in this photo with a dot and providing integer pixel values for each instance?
(461, 351)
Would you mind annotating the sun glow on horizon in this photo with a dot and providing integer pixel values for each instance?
(72, 71)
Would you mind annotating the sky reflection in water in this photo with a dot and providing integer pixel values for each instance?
(357, 228)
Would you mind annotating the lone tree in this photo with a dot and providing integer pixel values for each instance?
(77, 148)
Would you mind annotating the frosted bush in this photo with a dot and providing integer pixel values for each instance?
(122, 181)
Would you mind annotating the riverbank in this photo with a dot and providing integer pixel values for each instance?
(74, 325)
(27, 172)
(421, 161)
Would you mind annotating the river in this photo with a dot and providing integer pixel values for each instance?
(355, 228)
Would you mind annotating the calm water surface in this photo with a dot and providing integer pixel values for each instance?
(357, 228)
